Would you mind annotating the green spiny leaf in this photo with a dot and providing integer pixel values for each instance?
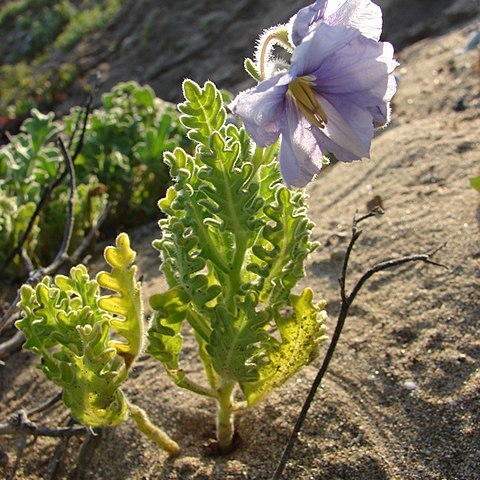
(283, 245)
(164, 338)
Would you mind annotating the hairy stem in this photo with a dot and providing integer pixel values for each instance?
(183, 381)
(225, 417)
(152, 431)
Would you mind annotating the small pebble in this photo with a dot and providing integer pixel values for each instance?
(462, 358)
(473, 41)
(459, 105)
(360, 439)
(410, 385)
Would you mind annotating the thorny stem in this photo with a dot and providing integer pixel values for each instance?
(345, 306)
(152, 431)
(225, 416)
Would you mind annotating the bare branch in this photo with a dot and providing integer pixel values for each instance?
(82, 248)
(372, 213)
(12, 344)
(46, 405)
(88, 110)
(21, 444)
(345, 306)
(20, 422)
(7, 319)
(27, 262)
(67, 235)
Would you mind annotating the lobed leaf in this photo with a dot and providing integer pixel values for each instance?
(234, 241)
(236, 344)
(301, 332)
(164, 338)
(126, 305)
(203, 112)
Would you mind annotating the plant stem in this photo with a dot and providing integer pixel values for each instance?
(225, 418)
(152, 431)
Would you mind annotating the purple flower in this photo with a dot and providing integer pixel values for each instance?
(362, 15)
(335, 90)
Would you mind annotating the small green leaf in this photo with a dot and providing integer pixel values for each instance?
(252, 69)
(41, 127)
(203, 112)
(127, 302)
(236, 344)
(63, 323)
(475, 183)
(164, 338)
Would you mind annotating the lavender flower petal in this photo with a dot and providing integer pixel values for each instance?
(262, 109)
(349, 130)
(300, 155)
(322, 43)
(362, 15)
(305, 18)
(361, 74)
(336, 89)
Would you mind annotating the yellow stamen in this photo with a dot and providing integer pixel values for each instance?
(301, 92)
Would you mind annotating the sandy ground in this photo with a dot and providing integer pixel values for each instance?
(401, 400)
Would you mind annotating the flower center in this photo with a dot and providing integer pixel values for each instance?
(301, 92)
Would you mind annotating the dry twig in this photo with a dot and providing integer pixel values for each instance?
(346, 302)
(61, 446)
(19, 422)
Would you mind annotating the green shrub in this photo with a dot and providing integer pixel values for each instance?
(124, 148)
(27, 166)
(121, 159)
